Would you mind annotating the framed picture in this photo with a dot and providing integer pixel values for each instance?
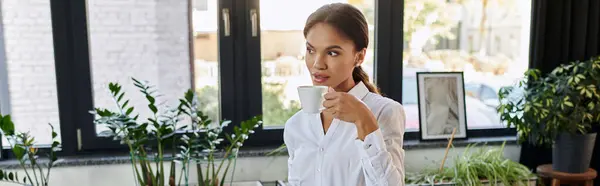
(441, 105)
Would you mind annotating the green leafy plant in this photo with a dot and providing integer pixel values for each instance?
(22, 146)
(202, 146)
(140, 136)
(159, 132)
(564, 101)
(476, 167)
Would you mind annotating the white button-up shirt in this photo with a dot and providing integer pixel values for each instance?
(339, 158)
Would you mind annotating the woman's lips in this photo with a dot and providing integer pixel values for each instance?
(320, 78)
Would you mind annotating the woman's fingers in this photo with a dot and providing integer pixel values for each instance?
(328, 103)
(330, 110)
(331, 90)
(331, 95)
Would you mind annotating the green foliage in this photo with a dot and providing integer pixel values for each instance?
(418, 16)
(274, 109)
(139, 135)
(473, 167)
(22, 145)
(208, 101)
(202, 145)
(156, 132)
(565, 100)
(275, 113)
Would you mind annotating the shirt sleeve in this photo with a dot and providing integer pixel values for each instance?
(290, 148)
(381, 152)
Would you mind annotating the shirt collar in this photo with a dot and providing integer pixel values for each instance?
(360, 90)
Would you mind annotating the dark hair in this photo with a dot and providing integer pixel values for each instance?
(348, 20)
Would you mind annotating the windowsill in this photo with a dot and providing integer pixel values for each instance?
(90, 160)
(416, 144)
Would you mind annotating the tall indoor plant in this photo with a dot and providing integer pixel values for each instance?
(560, 108)
(202, 146)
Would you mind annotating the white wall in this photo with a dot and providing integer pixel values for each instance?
(30, 65)
(248, 169)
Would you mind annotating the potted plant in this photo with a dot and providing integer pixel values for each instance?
(485, 166)
(159, 132)
(559, 109)
(37, 172)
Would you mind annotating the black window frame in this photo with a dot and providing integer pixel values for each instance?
(239, 65)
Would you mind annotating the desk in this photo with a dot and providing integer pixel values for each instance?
(586, 178)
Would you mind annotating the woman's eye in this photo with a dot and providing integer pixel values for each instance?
(332, 53)
(310, 51)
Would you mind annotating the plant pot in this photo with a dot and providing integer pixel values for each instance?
(572, 153)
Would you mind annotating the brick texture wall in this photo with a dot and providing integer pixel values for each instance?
(30, 63)
(145, 39)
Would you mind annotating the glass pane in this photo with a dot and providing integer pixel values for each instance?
(206, 59)
(283, 47)
(486, 39)
(29, 58)
(142, 39)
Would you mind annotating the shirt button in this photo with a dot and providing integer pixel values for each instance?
(318, 170)
(321, 149)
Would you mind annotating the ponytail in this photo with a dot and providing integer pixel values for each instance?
(358, 74)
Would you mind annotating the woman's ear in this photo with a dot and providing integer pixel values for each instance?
(360, 57)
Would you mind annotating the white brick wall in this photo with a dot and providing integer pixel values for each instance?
(30, 61)
(145, 39)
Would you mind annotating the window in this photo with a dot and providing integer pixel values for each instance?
(226, 49)
(206, 56)
(486, 39)
(28, 91)
(282, 52)
(136, 39)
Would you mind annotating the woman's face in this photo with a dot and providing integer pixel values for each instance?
(331, 57)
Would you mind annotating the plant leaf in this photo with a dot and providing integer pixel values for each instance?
(527, 108)
(121, 97)
(569, 104)
(570, 81)
(125, 104)
(150, 99)
(8, 127)
(153, 108)
(129, 111)
(19, 152)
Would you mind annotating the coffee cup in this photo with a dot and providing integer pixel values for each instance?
(312, 97)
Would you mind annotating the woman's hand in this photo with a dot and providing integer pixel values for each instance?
(348, 108)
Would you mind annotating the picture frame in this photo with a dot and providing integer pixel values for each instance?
(442, 106)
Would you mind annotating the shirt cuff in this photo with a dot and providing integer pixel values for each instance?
(373, 144)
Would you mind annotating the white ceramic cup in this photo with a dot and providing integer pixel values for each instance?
(312, 97)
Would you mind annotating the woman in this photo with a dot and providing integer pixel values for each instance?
(357, 139)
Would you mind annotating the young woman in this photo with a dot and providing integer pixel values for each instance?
(357, 139)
